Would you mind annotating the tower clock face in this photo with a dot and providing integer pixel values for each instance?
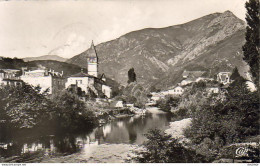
(93, 60)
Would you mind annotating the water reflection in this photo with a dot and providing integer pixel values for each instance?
(128, 130)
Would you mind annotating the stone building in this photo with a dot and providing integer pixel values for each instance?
(10, 77)
(178, 90)
(224, 77)
(54, 81)
(90, 83)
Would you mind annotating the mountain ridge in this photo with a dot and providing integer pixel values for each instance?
(46, 57)
(158, 53)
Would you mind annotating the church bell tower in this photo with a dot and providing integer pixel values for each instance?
(93, 61)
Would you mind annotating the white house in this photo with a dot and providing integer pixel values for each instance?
(178, 90)
(117, 104)
(81, 80)
(187, 81)
(89, 82)
(156, 96)
(51, 80)
(213, 90)
(107, 90)
(224, 77)
(9, 77)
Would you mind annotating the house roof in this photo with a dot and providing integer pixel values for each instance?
(193, 73)
(92, 51)
(173, 87)
(190, 80)
(103, 76)
(81, 74)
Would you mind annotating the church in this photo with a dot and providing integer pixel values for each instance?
(89, 83)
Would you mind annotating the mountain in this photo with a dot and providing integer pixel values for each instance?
(160, 55)
(45, 57)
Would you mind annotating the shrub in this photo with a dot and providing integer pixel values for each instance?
(165, 104)
(23, 106)
(232, 120)
(73, 114)
(161, 148)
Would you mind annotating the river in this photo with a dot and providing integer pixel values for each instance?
(112, 142)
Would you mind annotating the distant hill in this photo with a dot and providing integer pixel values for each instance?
(160, 55)
(45, 57)
(68, 69)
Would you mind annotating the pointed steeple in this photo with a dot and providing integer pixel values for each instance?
(92, 44)
(92, 61)
(93, 52)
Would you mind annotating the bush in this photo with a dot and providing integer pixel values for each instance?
(161, 148)
(72, 114)
(26, 107)
(231, 118)
(23, 106)
(165, 104)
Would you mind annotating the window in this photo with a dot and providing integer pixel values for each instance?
(79, 81)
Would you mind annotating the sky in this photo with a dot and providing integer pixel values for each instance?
(66, 28)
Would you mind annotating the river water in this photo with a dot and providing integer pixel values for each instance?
(112, 142)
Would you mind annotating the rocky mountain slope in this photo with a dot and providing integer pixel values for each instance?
(45, 57)
(159, 55)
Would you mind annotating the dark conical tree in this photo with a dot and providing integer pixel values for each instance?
(235, 75)
(251, 47)
(131, 75)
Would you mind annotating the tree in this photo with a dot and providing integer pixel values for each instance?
(235, 74)
(23, 106)
(162, 148)
(131, 75)
(251, 47)
(72, 114)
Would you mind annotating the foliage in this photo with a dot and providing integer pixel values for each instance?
(227, 121)
(27, 107)
(131, 75)
(23, 106)
(235, 74)
(72, 114)
(154, 89)
(251, 47)
(134, 93)
(165, 104)
(161, 148)
(193, 98)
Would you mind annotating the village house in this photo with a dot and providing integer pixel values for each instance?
(213, 90)
(187, 81)
(89, 83)
(51, 80)
(117, 104)
(156, 96)
(192, 76)
(224, 77)
(107, 90)
(178, 90)
(10, 77)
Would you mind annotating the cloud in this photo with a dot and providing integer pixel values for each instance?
(75, 44)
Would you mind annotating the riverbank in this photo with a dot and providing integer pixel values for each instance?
(94, 153)
(113, 142)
